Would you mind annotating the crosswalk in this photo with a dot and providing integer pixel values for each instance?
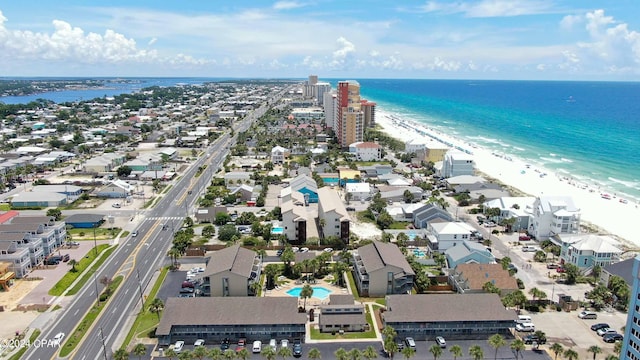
(155, 218)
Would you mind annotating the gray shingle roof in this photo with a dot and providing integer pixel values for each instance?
(377, 255)
(230, 311)
(236, 259)
(624, 269)
(445, 308)
(47, 220)
(84, 218)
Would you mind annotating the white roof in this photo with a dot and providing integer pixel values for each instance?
(360, 187)
(279, 148)
(591, 242)
(445, 228)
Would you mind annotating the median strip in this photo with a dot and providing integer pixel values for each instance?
(82, 264)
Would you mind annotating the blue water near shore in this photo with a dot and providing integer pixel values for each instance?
(587, 131)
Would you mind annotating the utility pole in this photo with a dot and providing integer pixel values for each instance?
(140, 287)
(104, 346)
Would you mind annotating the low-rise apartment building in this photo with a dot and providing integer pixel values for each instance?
(381, 269)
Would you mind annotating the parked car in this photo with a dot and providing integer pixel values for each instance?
(199, 342)
(530, 339)
(561, 269)
(587, 315)
(284, 343)
(188, 284)
(489, 224)
(524, 237)
(73, 243)
(611, 338)
(552, 266)
(441, 341)
(257, 347)
(526, 327)
(273, 344)
(529, 248)
(598, 326)
(328, 250)
(304, 250)
(116, 205)
(350, 208)
(242, 343)
(66, 257)
(177, 348)
(186, 290)
(279, 252)
(513, 267)
(410, 342)
(297, 348)
(224, 345)
(605, 331)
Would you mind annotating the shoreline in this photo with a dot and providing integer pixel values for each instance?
(598, 207)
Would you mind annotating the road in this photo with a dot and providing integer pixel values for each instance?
(138, 258)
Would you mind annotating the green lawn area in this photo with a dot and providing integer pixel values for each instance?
(85, 324)
(381, 301)
(146, 320)
(399, 225)
(23, 349)
(70, 277)
(91, 271)
(5, 207)
(352, 284)
(317, 335)
(87, 234)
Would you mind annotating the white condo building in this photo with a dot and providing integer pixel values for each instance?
(329, 104)
(554, 215)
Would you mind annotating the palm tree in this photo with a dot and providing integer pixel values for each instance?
(611, 357)
(170, 353)
(354, 354)
(139, 350)
(217, 354)
(390, 346)
(174, 253)
(73, 264)
(517, 345)
(341, 354)
(436, 351)
(185, 355)
(200, 352)
(243, 354)
(156, 307)
(408, 352)
(456, 350)
(314, 353)
(476, 352)
(595, 350)
(305, 293)
(285, 352)
(121, 354)
(229, 354)
(269, 353)
(369, 353)
(496, 341)
(388, 331)
(571, 354)
(557, 349)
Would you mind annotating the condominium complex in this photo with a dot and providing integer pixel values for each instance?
(350, 117)
(631, 342)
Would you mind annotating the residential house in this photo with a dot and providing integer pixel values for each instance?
(358, 191)
(381, 269)
(278, 154)
(332, 215)
(294, 221)
(429, 213)
(453, 316)
(231, 272)
(51, 233)
(443, 235)
(116, 189)
(306, 186)
(243, 193)
(471, 278)
(588, 250)
(457, 163)
(366, 151)
(18, 257)
(342, 314)
(397, 193)
(552, 215)
(216, 318)
(512, 207)
(623, 269)
(468, 252)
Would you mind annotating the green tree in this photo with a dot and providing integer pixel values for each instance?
(595, 350)
(56, 213)
(185, 355)
(557, 349)
(368, 353)
(227, 232)
(456, 351)
(124, 171)
(140, 350)
(571, 272)
(217, 354)
(229, 354)
(156, 307)
(285, 352)
(518, 346)
(243, 354)
(436, 351)
(209, 231)
(408, 352)
(200, 352)
(170, 353)
(73, 264)
(121, 354)
(354, 354)
(496, 341)
(476, 352)
(571, 354)
(269, 353)
(305, 293)
(341, 354)
(314, 354)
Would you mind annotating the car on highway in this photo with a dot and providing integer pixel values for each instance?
(134, 234)
(587, 315)
(611, 338)
(598, 326)
(441, 341)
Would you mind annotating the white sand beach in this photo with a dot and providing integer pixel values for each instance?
(598, 207)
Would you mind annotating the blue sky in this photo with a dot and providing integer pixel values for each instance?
(483, 39)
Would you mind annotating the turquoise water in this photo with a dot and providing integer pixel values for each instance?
(318, 292)
(419, 253)
(277, 230)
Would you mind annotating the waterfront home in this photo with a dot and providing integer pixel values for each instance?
(519, 208)
(552, 215)
(457, 163)
(588, 250)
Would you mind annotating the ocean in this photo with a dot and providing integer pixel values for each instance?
(588, 131)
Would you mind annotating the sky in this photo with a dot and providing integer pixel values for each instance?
(440, 39)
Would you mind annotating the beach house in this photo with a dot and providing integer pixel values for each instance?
(457, 163)
(278, 154)
(366, 151)
(588, 250)
(358, 191)
(381, 269)
(552, 215)
(443, 235)
(468, 252)
(518, 208)
(428, 213)
(307, 186)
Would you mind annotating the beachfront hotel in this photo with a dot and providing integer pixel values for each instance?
(350, 117)
(631, 342)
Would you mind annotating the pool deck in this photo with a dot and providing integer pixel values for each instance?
(281, 291)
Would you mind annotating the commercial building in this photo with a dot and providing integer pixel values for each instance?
(214, 319)
(231, 272)
(381, 269)
(453, 316)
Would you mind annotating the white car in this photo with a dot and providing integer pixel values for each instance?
(199, 342)
(134, 234)
(441, 342)
(304, 249)
(489, 224)
(328, 250)
(284, 343)
(257, 347)
(178, 346)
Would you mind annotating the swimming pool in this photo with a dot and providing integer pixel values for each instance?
(419, 253)
(277, 230)
(318, 292)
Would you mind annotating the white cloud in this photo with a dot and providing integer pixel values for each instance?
(491, 8)
(287, 5)
(152, 41)
(569, 21)
(344, 55)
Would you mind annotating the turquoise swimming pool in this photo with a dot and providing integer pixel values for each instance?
(318, 292)
(277, 230)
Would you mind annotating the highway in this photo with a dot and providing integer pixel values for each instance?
(138, 258)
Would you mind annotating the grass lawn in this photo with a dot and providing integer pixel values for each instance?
(352, 284)
(87, 234)
(5, 207)
(317, 335)
(74, 290)
(85, 324)
(70, 277)
(23, 349)
(399, 225)
(146, 320)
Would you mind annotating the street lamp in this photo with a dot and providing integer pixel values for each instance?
(95, 242)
